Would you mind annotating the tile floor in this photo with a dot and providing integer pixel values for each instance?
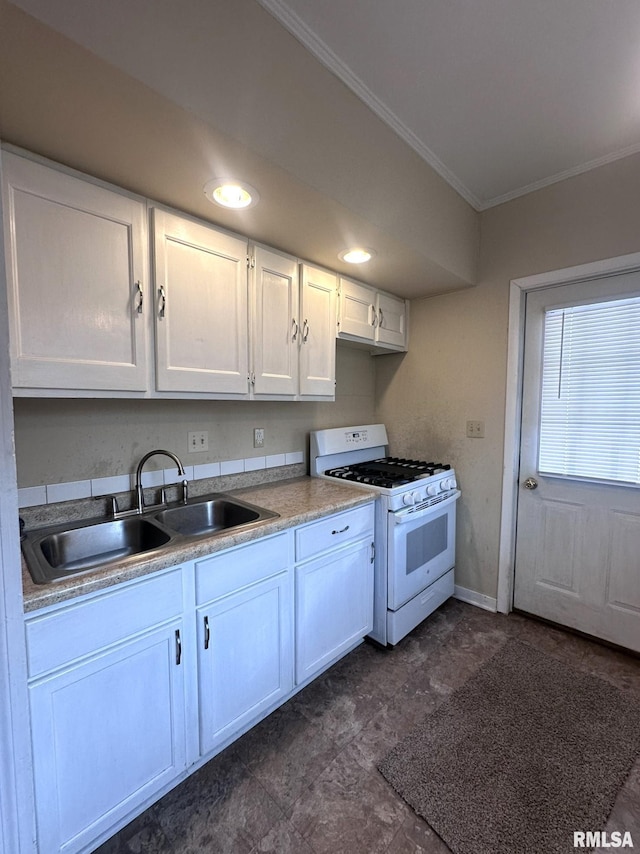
(304, 781)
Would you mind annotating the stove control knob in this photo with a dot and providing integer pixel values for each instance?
(448, 483)
(433, 489)
(408, 498)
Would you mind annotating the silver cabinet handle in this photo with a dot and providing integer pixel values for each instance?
(373, 552)
(163, 301)
(141, 295)
(380, 317)
(374, 317)
(341, 531)
(207, 633)
(294, 326)
(305, 331)
(178, 647)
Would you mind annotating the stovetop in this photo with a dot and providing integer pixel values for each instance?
(387, 472)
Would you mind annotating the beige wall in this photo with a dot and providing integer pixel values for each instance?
(66, 440)
(455, 369)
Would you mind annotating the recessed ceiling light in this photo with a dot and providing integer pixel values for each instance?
(356, 255)
(229, 193)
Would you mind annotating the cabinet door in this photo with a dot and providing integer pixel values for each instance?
(245, 661)
(76, 287)
(392, 320)
(334, 607)
(108, 733)
(275, 323)
(201, 308)
(318, 333)
(358, 313)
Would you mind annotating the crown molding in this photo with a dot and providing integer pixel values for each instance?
(304, 34)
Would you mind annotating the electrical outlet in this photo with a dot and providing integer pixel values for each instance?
(258, 437)
(198, 441)
(475, 429)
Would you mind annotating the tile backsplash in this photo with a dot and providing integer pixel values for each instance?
(33, 496)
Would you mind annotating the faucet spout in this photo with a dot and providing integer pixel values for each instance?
(139, 490)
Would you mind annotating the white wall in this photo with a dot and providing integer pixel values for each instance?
(456, 367)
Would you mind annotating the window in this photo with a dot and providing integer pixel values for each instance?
(590, 410)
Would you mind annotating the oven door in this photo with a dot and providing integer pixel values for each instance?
(421, 548)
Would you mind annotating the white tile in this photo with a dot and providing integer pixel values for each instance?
(68, 491)
(294, 457)
(231, 466)
(255, 463)
(110, 485)
(274, 460)
(152, 478)
(32, 496)
(172, 476)
(206, 470)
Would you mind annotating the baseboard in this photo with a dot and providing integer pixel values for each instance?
(487, 603)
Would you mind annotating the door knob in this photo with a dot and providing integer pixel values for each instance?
(531, 483)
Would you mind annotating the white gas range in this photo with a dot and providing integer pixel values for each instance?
(415, 522)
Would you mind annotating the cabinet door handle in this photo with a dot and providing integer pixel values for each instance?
(380, 317)
(141, 295)
(294, 326)
(374, 317)
(305, 331)
(373, 552)
(207, 633)
(163, 301)
(341, 531)
(178, 647)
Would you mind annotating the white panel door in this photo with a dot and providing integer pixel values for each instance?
(392, 320)
(317, 332)
(334, 606)
(275, 323)
(358, 314)
(245, 658)
(76, 286)
(578, 540)
(201, 308)
(108, 733)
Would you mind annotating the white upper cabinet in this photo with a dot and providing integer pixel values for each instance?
(293, 328)
(76, 282)
(373, 317)
(317, 333)
(275, 324)
(392, 321)
(200, 278)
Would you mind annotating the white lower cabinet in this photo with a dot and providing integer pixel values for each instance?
(245, 638)
(128, 695)
(107, 709)
(334, 590)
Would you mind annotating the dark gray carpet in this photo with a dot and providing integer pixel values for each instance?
(527, 752)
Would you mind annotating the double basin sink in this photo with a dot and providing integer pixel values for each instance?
(58, 552)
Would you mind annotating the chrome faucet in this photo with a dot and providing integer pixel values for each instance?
(139, 492)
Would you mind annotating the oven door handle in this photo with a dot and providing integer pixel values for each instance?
(401, 517)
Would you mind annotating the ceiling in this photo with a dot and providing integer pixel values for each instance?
(388, 125)
(500, 96)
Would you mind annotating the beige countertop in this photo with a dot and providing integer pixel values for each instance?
(299, 500)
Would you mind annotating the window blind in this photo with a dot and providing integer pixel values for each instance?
(590, 408)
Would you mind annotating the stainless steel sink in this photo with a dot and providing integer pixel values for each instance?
(58, 553)
(209, 516)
